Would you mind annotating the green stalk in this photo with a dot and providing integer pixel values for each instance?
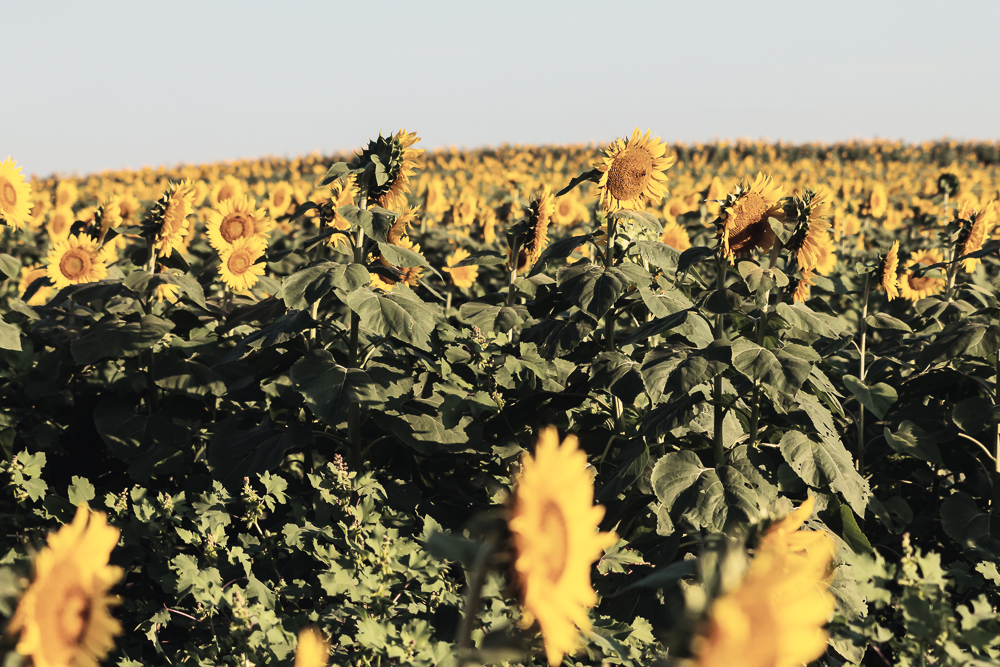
(995, 504)
(863, 330)
(952, 272)
(719, 446)
(511, 291)
(761, 326)
(472, 601)
(354, 409)
(609, 261)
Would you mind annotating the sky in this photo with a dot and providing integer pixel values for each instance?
(97, 85)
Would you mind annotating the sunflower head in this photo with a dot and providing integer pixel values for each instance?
(15, 195)
(886, 273)
(74, 261)
(238, 266)
(237, 217)
(64, 617)
(312, 650)
(31, 274)
(168, 219)
(632, 170)
(532, 232)
(389, 163)
(972, 227)
(554, 524)
(744, 220)
(808, 216)
(462, 276)
(914, 286)
(948, 184)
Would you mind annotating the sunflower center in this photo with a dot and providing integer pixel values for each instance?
(239, 262)
(629, 173)
(234, 226)
(73, 617)
(745, 224)
(555, 540)
(565, 208)
(173, 218)
(8, 195)
(279, 198)
(918, 284)
(74, 264)
(225, 192)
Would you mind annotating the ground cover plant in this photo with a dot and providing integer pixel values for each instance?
(637, 404)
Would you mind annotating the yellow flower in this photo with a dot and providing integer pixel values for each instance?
(75, 260)
(878, 202)
(916, 288)
(60, 221)
(239, 268)
(30, 274)
(775, 616)
(539, 215)
(313, 650)
(743, 224)
(237, 217)
(280, 199)
(172, 213)
(229, 187)
(15, 195)
(802, 288)
(675, 236)
(168, 292)
(343, 194)
(980, 224)
(64, 616)
(885, 274)
(66, 193)
(398, 159)
(554, 523)
(632, 169)
(463, 276)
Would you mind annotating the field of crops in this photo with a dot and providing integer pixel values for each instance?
(730, 404)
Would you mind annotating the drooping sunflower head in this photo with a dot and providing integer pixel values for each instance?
(64, 617)
(916, 287)
(633, 169)
(974, 227)
(554, 524)
(74, 261)
(15, 195)
(744, 220)
(532, 232)
(809, 213)
(886, 274)
(401, 225)
(238, 266)
(169, 217)
(391, 161)
(803, 286)
(237, 217)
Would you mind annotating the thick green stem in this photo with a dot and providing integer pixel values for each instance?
(719, 446)
(609, 261)
(512, 277)
(863, 330)
(995, 504)
(952, 273)
(472, 601)
(761, 327)
(354, 409)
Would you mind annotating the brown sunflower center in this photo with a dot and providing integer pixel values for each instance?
(234, 226)
(279, 198)
(225, 192)
(173, 218)
(565, 208)
(629, 173)
(921, 283)
(8, 195)
(746, 222)
(74, 264)
(73, 617)
(555, 535)
(239, 262)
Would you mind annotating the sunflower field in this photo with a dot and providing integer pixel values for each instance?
(638, 404)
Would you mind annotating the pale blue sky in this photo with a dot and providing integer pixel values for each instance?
(99, 85)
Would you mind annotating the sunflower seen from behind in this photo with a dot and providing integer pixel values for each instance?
(169, 217)
(395, 164)
(238, 264)
(554, 524)
(237, 217)
(15, 195)
(64, 617)
(744, 223)
(535, 227)
(75, 260)
(632, 170)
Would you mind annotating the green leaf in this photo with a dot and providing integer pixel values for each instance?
(658, 254)
(150, 444)
(310, 284)
(634, 460)
(187, 376)
(233, 455)
(281, 330)
(10, 337)
(782, 371)
(400, 256)
(557, 250)
(401, 317)
(852, 533)
(336, 171)
(483, 258)
(883, 321)
(692, 256)
(113, 337)
(592, 287)
(688, 324)
(617, 374)
(915, 441)
(878, 397)
(826, 464)
(963, 522)
(802, 317)
(972, 414)
(10, 266)
(80, 490)
(329, 388)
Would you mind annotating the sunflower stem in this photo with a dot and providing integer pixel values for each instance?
(511, 291)
(354, 409)
(472, 602)
(863, 330)
(761, 327)
(609, 321)
(952, 272)
(719, 446)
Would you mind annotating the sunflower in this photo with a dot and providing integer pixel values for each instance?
(885, 274)
(802, 287)
(229, 187)
(66, 193)
(810, 212)
(64, 616)
(167, 292)
(407, 275)
(401, 225)
(280, 199)
(488, 225)
(826, 259)
(396, 160)
(60, 221)
(554, 525)
(675, 236)
(536, 227)
(916, 288)
(878, 201)
(75, 260)
(170, 214)
(30, 274)
(976, 227)
(237, 217)
(462, 276)
(632, 169)
(239, 268)
(775, 615)
(743, 224)
(313, 650)
(343, 194)
(15, 195)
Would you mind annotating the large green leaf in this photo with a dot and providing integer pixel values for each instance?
(233, 455)
(963, 522)
(491, 317)
(878, 397)
(776, 368)
(283, 329)
(10, 336)
(187, 376)
(915, 441)
(826, 464)
(115, 338)
(802, 317)
(329, 388)
(616, 374)
(401, 317)
(311, 283)
(592, 287)
(150, 444)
